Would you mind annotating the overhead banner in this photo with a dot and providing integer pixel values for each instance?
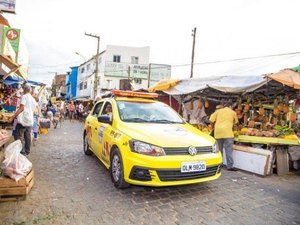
(8, 6)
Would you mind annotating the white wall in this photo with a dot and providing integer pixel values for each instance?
(126, 53)
(110, 82)
(85, 74)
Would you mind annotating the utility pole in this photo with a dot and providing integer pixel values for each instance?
(129, 84)
(96, 78)
(128, 71)
(194, 37)
(149, 75)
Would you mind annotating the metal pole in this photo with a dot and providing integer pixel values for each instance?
(192, 64)
(129, 76)
(97, 63)
(149, 74)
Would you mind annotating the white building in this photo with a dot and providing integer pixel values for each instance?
(119, 67)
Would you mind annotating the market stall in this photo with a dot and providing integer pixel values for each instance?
(265, 108)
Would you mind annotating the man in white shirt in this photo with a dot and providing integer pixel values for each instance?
(24, 115)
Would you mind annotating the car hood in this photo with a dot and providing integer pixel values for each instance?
(167, 135)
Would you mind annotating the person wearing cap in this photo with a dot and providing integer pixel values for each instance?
(224, 119)
(24, 115)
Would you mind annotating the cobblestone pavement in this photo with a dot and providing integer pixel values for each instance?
(72, 188)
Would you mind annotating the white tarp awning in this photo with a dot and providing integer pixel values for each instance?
(226, 84)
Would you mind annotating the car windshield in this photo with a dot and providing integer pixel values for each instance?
(147, 112)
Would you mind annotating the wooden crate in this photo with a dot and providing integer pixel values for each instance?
(10, 190)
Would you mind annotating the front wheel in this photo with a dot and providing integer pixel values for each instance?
(86, 147)
(116, 170)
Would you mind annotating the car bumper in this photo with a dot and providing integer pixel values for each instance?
(166, 170)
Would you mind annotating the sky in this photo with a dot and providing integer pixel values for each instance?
(227, 30)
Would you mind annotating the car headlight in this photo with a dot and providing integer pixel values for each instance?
(145, 149)
(215, 148)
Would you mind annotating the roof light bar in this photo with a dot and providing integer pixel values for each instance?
(134, 94)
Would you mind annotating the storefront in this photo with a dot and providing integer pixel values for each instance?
(265, 106)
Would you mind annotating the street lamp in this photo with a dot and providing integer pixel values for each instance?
(97, 62)
(84, 59)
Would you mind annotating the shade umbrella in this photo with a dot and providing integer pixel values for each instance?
(163, 85)
(287, 77)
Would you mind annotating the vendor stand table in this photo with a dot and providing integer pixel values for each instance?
(6, 125)
(278, 146)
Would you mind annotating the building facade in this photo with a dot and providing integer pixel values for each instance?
(119, 67)
(71, 83)
(59, 86)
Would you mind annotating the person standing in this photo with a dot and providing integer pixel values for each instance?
(24, 115)
(224, 119)
(71, 108)
(36, 116)
(80, 111)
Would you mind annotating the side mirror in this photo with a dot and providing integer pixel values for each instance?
(104, 119)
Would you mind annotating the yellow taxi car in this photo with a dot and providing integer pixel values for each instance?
(143, 141)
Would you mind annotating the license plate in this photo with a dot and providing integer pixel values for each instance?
(193, 166)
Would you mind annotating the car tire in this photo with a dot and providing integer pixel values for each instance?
(86, 147)
(117, 170)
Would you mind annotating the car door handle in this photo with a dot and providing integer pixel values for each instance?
(96, 128)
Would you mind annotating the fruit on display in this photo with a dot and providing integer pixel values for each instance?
(293, 117)
(286, 105)
(5, 116)
(200, 103)
(252, 121)
(276, 109)
(206, 104)
(261, 109)
(268, 119)
(190, 105)
(284, 130)
(280, 104)
(247, 105)
(240, 106)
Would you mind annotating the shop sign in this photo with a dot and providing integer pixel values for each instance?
(8, 6)
(126, 70)
(12, 35)
(159, 72)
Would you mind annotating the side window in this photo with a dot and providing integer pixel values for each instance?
(97, 109)
(116, 58)
(134, 60)
(107, 110)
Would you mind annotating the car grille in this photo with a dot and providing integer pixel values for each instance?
(185, 150)
(175, 175)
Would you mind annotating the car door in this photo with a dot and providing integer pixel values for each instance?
(93, 125)
(106, 133)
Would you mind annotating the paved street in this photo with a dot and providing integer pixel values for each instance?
(72, 188)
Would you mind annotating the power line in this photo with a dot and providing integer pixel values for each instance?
(240, 59)
(180, 65)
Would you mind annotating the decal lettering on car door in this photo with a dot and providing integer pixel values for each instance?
(100, 134)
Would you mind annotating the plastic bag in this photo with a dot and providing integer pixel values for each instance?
(15, 165)
(26, 118)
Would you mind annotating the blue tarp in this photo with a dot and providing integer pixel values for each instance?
(17, 80)
(226, 84)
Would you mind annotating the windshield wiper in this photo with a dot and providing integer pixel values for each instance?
(135, 119)
(164, 121)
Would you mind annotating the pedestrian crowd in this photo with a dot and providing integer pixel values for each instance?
(31, 113)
